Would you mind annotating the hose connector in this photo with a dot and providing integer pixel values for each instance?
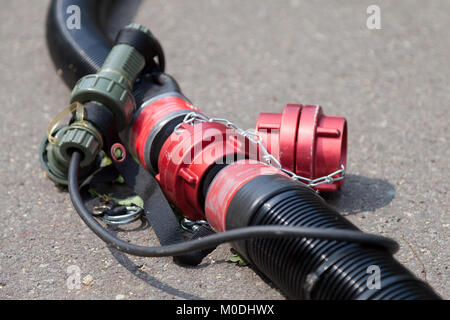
(83, 138)
(57, 147)
(306, 141)
(111, 88)
(112, 85)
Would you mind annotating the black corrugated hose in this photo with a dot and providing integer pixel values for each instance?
(306, 248)
(77, 52)
(315, 268)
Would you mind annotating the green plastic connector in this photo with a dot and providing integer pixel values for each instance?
(112, 87)
(113, 84)
(55, 157)
(82, 138)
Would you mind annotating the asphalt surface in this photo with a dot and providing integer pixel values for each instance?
(235, 59)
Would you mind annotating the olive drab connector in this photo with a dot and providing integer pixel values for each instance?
(112, 85)
(111, 89)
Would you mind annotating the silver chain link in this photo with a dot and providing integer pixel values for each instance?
(268, 158)
(192, 226)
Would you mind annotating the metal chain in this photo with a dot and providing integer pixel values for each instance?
(192, 225)
(268, 158)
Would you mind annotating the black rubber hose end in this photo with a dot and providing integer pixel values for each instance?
(310, 268)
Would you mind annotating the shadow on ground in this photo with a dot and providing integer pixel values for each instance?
(134, 269)
(361, 194)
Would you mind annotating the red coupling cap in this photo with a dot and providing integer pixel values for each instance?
(306, 141)
(186, 157)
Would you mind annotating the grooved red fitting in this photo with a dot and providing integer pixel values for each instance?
(147, 119)
(225, 185)
(186, 157)
(306, 141)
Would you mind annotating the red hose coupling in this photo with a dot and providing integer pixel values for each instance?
(150, 118)
(306, 141)
(227, 183)
(186, 157)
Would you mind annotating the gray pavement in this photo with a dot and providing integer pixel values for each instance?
(235, 59)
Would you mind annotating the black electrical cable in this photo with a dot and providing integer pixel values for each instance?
(215, 239)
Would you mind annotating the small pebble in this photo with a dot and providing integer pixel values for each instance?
(87, 281)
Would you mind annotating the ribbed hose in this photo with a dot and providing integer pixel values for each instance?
(313, 268)
(79, 52)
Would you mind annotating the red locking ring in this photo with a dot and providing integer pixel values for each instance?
(186, 158)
